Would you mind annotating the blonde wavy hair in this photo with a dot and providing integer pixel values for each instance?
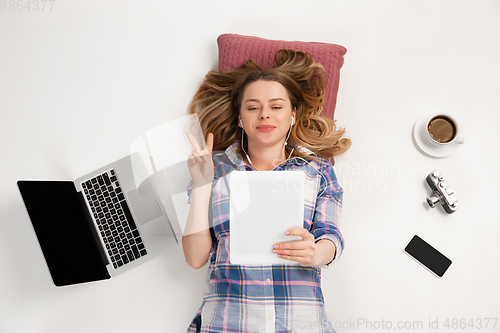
(218, 101)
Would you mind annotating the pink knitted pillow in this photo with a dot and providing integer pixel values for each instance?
(234, 50)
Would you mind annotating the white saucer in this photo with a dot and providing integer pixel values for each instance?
(422, 140)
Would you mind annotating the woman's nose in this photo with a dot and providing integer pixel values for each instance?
(264, 113)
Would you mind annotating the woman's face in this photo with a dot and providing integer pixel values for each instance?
(266, 113)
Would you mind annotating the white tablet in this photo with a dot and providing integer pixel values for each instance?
(263, 205)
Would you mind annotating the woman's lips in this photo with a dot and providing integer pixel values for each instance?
(265, 128)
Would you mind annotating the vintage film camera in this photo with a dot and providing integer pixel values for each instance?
(441, 193)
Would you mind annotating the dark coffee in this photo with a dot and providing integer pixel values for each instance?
(442, 129)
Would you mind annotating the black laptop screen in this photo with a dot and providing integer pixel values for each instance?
(65, 231)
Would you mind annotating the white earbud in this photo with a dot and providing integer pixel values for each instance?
(292, 121)
(241, 123)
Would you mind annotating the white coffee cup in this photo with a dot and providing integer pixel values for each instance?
(443, 129)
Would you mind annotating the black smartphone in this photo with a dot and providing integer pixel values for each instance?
(428, 256)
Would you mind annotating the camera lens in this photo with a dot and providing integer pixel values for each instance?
(433, 200)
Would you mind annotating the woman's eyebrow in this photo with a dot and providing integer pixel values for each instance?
(252, 100)
(258, 101)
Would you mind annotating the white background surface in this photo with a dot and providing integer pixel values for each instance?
(66, 73)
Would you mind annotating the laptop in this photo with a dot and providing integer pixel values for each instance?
(263, 205)
(100, 225)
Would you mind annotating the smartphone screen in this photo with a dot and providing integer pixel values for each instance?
(427, 256)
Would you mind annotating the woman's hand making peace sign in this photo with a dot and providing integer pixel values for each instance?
(200, 164)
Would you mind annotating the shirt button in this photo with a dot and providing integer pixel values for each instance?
(268, 280)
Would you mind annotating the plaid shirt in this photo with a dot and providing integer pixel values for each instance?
(269, 298)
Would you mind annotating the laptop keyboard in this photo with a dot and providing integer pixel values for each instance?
(112, 214)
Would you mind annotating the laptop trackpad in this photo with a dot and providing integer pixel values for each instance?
(144, 204)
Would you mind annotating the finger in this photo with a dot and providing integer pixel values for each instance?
(202, 155)
(296, 252)
(302, 232)
(293, 246)
(192, 140)
(191, 161)
(210, 143)
(198, 155)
